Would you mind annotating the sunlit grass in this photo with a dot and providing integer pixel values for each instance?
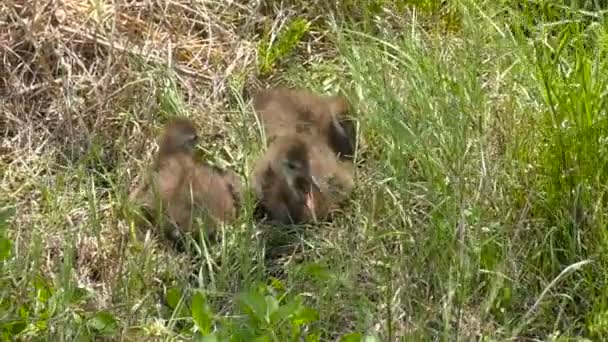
(480, 210)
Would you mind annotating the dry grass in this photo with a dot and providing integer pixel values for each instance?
(85, 76)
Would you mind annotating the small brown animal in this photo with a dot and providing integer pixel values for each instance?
(299, 180)
(285, 111)
(180, 189)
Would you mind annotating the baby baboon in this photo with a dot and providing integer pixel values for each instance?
(299, 179)
(179, 189)
(285, 111)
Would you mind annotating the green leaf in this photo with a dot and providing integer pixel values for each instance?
(104, 323)
(174, 295)
(14, 328)
(80, 294)
(24, 312)
(201, 313)
(254, 304)
(286, 311)
(272, 305)
(5, 248)
(352, 337)
(306, 315)
(238, 333)
(319, 272)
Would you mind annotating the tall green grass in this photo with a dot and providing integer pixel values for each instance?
(493, 143)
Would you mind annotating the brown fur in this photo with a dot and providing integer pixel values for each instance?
(285, 111)
(180, 189)
(283, 192)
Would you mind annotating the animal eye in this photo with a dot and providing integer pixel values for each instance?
(191, 139)
(291, 165)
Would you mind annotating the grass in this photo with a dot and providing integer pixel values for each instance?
(480, 211)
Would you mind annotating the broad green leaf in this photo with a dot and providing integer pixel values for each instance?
(306, 315)
(240, 333)
(201, 313)
(173, 297)
(254, 304)
(286, 311)
(104, 323)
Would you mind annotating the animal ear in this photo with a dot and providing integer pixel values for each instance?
(342, 136)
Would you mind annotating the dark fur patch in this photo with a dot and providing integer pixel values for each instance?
(342, 135)
(297, 151)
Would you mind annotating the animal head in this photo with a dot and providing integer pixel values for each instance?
(180, 135)
(291, 163)
(285, 181)
(283, 108)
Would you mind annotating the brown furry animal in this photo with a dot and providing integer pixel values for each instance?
(179, 189)
(299, 180)
(285, 111)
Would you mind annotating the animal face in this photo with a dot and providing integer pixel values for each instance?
(180, 135)
(285, 180)
(293, 164)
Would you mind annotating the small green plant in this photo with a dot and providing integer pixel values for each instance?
(202, 315)
(275, 317)
(103, 323)
(262, 313)
(273, 48)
